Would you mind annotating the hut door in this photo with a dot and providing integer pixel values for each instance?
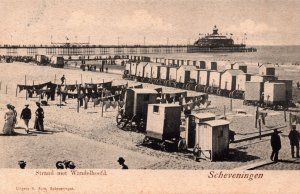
(233, 83)
(186, 76)
(168, 72)
(158, 73)
(191, 130)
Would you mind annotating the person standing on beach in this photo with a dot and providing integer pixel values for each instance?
(276, 145)
(26, 116)
(8, 128)
(294, 137)
(39, 118)
(13, 108)
(62, 79)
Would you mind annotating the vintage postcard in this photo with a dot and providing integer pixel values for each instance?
(149, 96)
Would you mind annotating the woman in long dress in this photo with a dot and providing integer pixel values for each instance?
(9, 125)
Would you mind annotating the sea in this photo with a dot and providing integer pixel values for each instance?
(281, 55)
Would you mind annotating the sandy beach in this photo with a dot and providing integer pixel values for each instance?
(92, 141)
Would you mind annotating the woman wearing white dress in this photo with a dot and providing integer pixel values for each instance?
(9, 117)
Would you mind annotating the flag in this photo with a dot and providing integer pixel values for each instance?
(67, 38)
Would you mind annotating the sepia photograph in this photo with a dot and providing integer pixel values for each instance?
(126, 88)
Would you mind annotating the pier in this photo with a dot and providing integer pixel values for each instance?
(77, 49)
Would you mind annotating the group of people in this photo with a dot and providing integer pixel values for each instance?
(11, 119)
(294, 137)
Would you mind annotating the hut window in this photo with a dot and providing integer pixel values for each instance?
(156, 109)
(146, 97)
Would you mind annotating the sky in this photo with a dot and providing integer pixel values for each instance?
(266, 22)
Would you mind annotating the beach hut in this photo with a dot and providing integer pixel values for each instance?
(155, 70)
(212, 138)
(214, 79)
(133, 69)
(137, 101)
(140, 69)
(253, 91)
(204, 76)
(184, 73)
(136, 106)
(228, 79)
(173, 73)
(195, 75)
(191, 124)
(147, 71)
(164, 72)
(163, 121)
(128, 68)
(288, 87)
(241, 79)
(57, 61)
(274, 93)
(267, 69)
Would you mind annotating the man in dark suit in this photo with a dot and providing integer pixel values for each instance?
(294, 137)
(276, 145)
(26, 116)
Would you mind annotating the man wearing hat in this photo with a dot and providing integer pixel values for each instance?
(39, 118)
(276, 145)
(294, 137)
(26, 116)
(22, 164)
(122, 163)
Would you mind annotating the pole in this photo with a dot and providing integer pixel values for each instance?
(225, 112)
(25, 85)
(91, 80)
(81, 78)
(102, 100)
(60, 97)
(259, 124)
(284, 112)
(230, 104)
(77, 87)
(6, 90)
(256, 116)
(290, 120)
(17, 91)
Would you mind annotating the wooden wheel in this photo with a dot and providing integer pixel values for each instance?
(163, 146)
(186, 86)
(196, 153)
(181, 146)
(137, 123)
(141, 125)
(146, 140)
(121, 121)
